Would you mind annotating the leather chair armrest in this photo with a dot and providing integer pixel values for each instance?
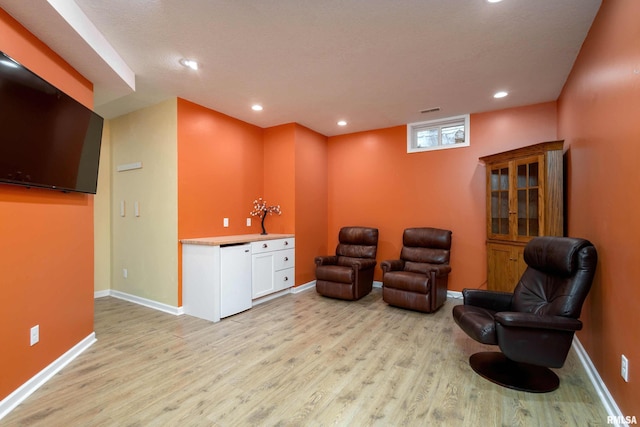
(364, 263)
(440, 269)
(392, 265)
(535, 321)
(492, 300)
(356, 263)
(326, 260)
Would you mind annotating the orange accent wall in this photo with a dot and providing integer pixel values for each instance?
(373, 181)
(46, 256)
(220, 169)
(295, 177)
(220, 173)
(279, 177)
(311, 202)
(598, 118)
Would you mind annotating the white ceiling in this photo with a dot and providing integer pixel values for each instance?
(374, 63)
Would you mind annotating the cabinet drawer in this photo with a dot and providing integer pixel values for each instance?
(284, 279)
(284, 259)
(272, 245)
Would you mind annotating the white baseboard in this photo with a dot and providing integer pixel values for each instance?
(454, 294)
(607, 400)
(25, 390)
(305, 287)
(101, 294)
(176, 311)
(312, 284)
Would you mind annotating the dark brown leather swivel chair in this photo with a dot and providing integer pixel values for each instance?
(534, 325)
(348, 274)
(419, 279)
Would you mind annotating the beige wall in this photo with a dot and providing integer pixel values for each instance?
(102, 217)
(145, 245)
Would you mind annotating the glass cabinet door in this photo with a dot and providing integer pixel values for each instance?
(499, 188)
(515, 206)
(528, 191)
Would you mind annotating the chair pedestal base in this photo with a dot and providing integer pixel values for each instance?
(497, 368)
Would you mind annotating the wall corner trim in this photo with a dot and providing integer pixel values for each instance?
(25, 390)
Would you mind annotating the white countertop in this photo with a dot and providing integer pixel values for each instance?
(240, 238)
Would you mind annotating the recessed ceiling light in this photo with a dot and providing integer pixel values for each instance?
(342, 123)
(494, 1)
(189, 63)
(500, 94)
(256, 107)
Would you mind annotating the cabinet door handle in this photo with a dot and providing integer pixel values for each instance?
(286, 258)
(264, 245)
(286, 278)
(286, 242)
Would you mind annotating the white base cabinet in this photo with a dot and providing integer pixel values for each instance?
(273, 266)
(209, 292)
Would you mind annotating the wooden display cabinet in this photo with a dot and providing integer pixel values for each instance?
(525, 193)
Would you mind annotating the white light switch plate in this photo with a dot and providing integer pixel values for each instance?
(624, 368)
(34, 335)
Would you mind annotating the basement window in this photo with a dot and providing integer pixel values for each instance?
(451, 132)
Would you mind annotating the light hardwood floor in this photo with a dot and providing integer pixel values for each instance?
(299, 360)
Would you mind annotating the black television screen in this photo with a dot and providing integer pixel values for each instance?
(47, 138)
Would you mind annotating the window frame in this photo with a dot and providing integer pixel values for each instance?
(414, 128)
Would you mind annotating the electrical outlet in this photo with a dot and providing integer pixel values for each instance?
(248, 222)
(225, 222)
(125, 273)
(624, 368)
(34, 335)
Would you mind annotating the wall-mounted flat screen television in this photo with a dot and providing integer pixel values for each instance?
(47, 138)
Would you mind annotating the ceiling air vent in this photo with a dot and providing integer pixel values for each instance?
(430, 110)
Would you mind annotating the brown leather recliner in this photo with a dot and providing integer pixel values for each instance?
(534, 325)
(419, 279)
(348, 274)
